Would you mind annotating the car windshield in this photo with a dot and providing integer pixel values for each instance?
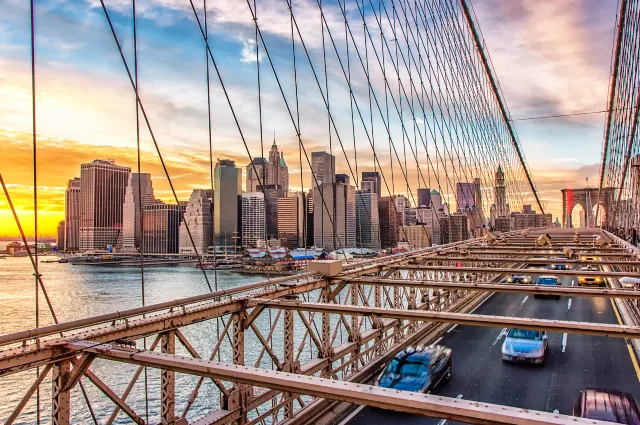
(410, 366)
(524, 334)
(547, 281)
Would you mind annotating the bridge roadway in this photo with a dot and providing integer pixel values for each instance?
(480, 374)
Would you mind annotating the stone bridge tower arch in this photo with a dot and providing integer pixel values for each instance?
(587, 198)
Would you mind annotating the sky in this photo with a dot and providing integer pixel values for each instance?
(550, 58)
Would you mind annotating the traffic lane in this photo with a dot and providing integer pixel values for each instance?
(479, 373)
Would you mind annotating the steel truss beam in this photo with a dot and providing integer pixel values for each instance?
(499, 287)
(503, 270)
(584, 328)
(424, 404)
(533, 261)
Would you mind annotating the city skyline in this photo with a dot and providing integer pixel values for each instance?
(85, 107)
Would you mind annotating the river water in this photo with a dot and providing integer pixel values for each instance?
(78, 291)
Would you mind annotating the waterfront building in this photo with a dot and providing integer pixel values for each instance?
(367, 220)
(272, 192)
(72, 216)
(253, 219)
(291, 220)
(198, 216)
(371, 181)
(161, 228)
(388, 222)
(228, 185)
(61, 235)
(139, 193)
(103, 185)
(334, 205)
(309, 225)
(272, 172)
(418, 236)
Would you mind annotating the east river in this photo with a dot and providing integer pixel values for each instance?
(78, 291)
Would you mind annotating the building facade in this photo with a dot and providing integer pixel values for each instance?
(103, 185)
(371, 181)
(323, 167)
(367, 220)
(454, 228)
(291, 220)
(72, 216)
(418, 236)
(272, 172)
(162, 228)
(465, 195)
(253, 219)
(424, 197)
(61, 235)
(272, 193)
(198, 218)
(228, 186)
(388, 222)
(500, 194)
(139, 193)
(334, 208)
(429, 217)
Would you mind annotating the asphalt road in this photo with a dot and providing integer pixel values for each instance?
(480, 374)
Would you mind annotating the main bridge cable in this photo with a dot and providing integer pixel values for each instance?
(153, 137)
(236, 118)
(500, 101)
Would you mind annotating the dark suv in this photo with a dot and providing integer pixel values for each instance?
(608, 406)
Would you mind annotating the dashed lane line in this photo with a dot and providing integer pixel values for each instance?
(564, 342)
(525, 300)
(502, 332)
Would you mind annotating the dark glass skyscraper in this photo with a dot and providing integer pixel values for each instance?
(228, 185)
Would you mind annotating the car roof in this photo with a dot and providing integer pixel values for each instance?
(548, 277)
(617, 405)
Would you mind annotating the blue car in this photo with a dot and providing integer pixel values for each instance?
(418, 369)
(526, 346)
(547, 281)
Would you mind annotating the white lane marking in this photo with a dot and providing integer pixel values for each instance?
(564, 342)
(348, 418)
(437, 340)
(502, 332)
(573, 282)
(525, 300)
(569, 304)
(444, 421)
(452, 328)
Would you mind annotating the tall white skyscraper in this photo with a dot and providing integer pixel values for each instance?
(338, 211)
(253, 219)
(72, 215)
(323, 166)
(197, 216)
(102, 190)
(138, 185)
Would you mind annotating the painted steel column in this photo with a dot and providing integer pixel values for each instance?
(326, 334)
(238, 397)
(61, 400)
(168, 382)
(355, 332)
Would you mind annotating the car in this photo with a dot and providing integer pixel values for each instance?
(591, 280)
(418, 369)
(560, 265)
(525, 346)
(608, 406)
(547, 281)
(519, 278)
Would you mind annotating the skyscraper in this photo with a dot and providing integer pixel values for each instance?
(465, 195)
(436, 200)
(253, 219)
(428, 217)
(374, 178)
(102, 189)
(197, 216)
(388, 222)
(272, 172)
(291, 220)
(424, 197)
(323, 166)
(72, 215)
(454, 228)
(228, 185)
(161, 228)
(61, 236)
(500, 194)
(272, 192)
(367, 221)
(138, 184)
(401, 204)
(334, 207)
